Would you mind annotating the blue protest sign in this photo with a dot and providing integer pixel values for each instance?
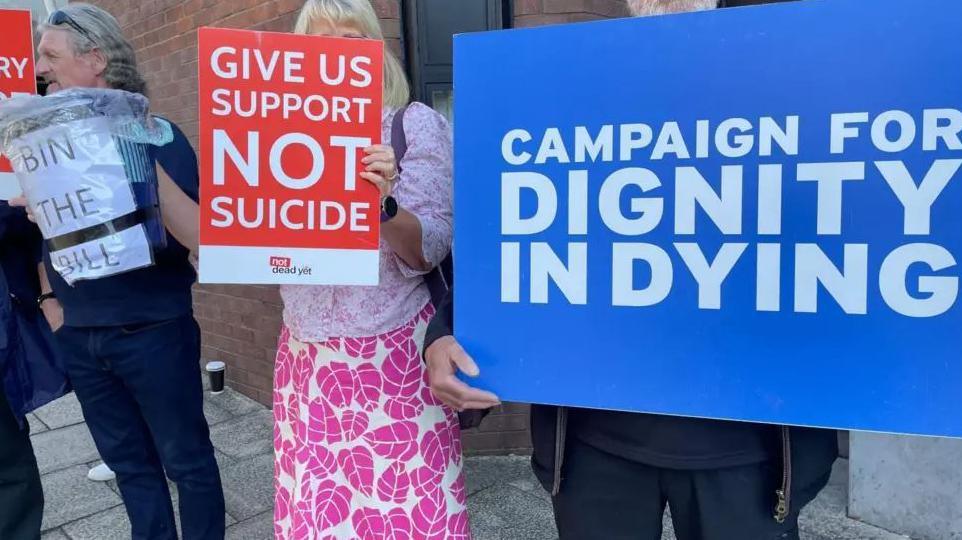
(750, 214)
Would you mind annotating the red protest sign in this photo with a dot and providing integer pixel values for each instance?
(16, 76)
(284, 120)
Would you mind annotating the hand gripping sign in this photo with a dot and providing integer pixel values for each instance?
(84, 162)
(284, 120)
(16, 77)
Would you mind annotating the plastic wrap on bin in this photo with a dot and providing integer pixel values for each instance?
(84, 161)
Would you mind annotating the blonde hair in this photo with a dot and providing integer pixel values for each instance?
(662, 7)
(359, 14)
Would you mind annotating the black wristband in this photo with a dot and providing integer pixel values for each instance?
(44, 297)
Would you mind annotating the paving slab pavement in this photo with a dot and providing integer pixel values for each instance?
(504, 499)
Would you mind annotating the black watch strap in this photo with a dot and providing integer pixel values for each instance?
(389, 208)
(44, 297)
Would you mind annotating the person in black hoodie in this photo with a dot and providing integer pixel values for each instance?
(611, 474)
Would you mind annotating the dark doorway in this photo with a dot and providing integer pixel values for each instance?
(429, 26)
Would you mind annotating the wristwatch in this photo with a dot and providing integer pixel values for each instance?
(44, 297)
(389, 208)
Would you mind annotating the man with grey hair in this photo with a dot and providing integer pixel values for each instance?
(130, 342)
(641, 8)
(663, 7)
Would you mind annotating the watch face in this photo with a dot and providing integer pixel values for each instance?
(390, 206)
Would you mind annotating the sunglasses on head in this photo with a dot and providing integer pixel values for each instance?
(60, 17)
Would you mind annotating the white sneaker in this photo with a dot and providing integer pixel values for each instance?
(101, 473)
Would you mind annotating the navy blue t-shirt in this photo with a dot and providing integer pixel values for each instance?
(156, 293)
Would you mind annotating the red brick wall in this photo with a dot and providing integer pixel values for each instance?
(240, 324)
(542, 12)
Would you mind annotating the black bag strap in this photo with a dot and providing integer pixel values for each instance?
(438, 279)
(399, 140)
(101, 230)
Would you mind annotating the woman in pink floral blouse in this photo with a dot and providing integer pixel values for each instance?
(363, 449)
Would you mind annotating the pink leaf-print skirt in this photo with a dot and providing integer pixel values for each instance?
(362, 449)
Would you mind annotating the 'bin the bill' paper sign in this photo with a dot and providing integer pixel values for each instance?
(16, 77)
(284, 120)
(78, 179)
(750, 214)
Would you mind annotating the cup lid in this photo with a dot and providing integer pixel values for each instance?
(216, 366)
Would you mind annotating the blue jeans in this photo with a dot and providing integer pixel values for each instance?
(140, 390)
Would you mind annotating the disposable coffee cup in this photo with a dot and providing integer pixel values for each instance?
(215, 374)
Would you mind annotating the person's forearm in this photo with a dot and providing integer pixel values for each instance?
(181, 214)
(403, 234)
(44, 280)
(51, 308)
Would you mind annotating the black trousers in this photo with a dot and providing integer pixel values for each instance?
(21, 496)
(606, 497)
